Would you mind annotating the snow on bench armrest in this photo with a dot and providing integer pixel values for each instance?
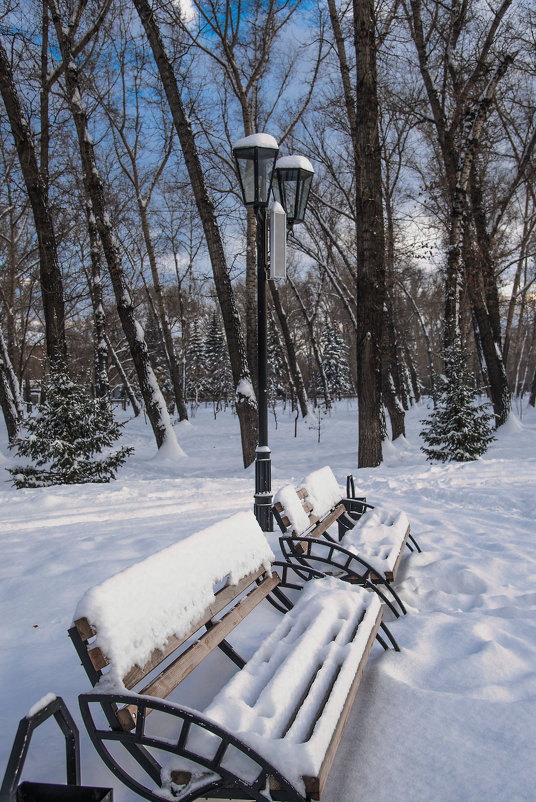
(137, 610)
(324, 492)
(377, 537)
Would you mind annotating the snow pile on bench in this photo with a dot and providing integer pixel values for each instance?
(137, 610)
(323, 490)
(273, 702)
(377, 536)
(293, 508)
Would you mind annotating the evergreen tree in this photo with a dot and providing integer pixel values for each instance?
(195, 364)
(458, 429)
(63, 441)
(335, 360)
(219, 383)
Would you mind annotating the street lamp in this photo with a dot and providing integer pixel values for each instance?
(255, 157)
(293, 178)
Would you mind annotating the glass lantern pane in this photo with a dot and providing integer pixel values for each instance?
(286, 182)
(291, 187)
(304, 196)
(246, 167)
(266, 160)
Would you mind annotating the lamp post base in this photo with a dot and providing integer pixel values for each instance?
(263, 489)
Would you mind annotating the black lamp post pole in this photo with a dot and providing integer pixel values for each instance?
(263, 464)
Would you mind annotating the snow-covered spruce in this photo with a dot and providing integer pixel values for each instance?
(334, 361)
(218, 382)
(459, 429)
(64, 439)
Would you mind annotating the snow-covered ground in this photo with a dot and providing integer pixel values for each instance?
(451, 717)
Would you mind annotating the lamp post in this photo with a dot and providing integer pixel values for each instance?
(255, 158)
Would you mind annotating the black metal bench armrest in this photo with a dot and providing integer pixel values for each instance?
(216, 776)
(335, 559)
(356, 506)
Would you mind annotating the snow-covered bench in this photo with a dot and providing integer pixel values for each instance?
(371, 540)
(272, 730)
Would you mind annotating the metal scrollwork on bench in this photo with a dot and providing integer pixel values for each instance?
(220, 781)
(330, 555)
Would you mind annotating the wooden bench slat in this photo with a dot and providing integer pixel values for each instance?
(85, 630)
(390, 575)
(179, 669)
(98, 658)
(329, 519)
(223, 597)
(315, 785)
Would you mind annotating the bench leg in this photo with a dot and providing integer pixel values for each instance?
(410, 537)
(380, 640)
(375, 586)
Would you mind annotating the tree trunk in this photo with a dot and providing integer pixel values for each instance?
(10, 399)
(362, 113)
(294, 367)
(8, 406)
(486, 264)
(532, 398)
(413, 379)
(495, 369)
(309, 321)
(246, 406)
(169, 348)
(124, 378)
(394, 407)
(153, 399)
(370, 240)
(49, 269)
(102, 385)
(390, 334)
(391, 393)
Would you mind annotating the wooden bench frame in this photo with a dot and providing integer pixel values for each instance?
(315, 546)
(126, 712)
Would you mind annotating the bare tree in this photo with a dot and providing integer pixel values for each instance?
(246, 405)
(362, 114)
(460, 94)
(94, 187)
(240, 40)
(50, 275)
(127, 126)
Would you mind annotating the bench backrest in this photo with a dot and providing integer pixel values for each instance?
(136, 619)
(323, 491)
(312, 509)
